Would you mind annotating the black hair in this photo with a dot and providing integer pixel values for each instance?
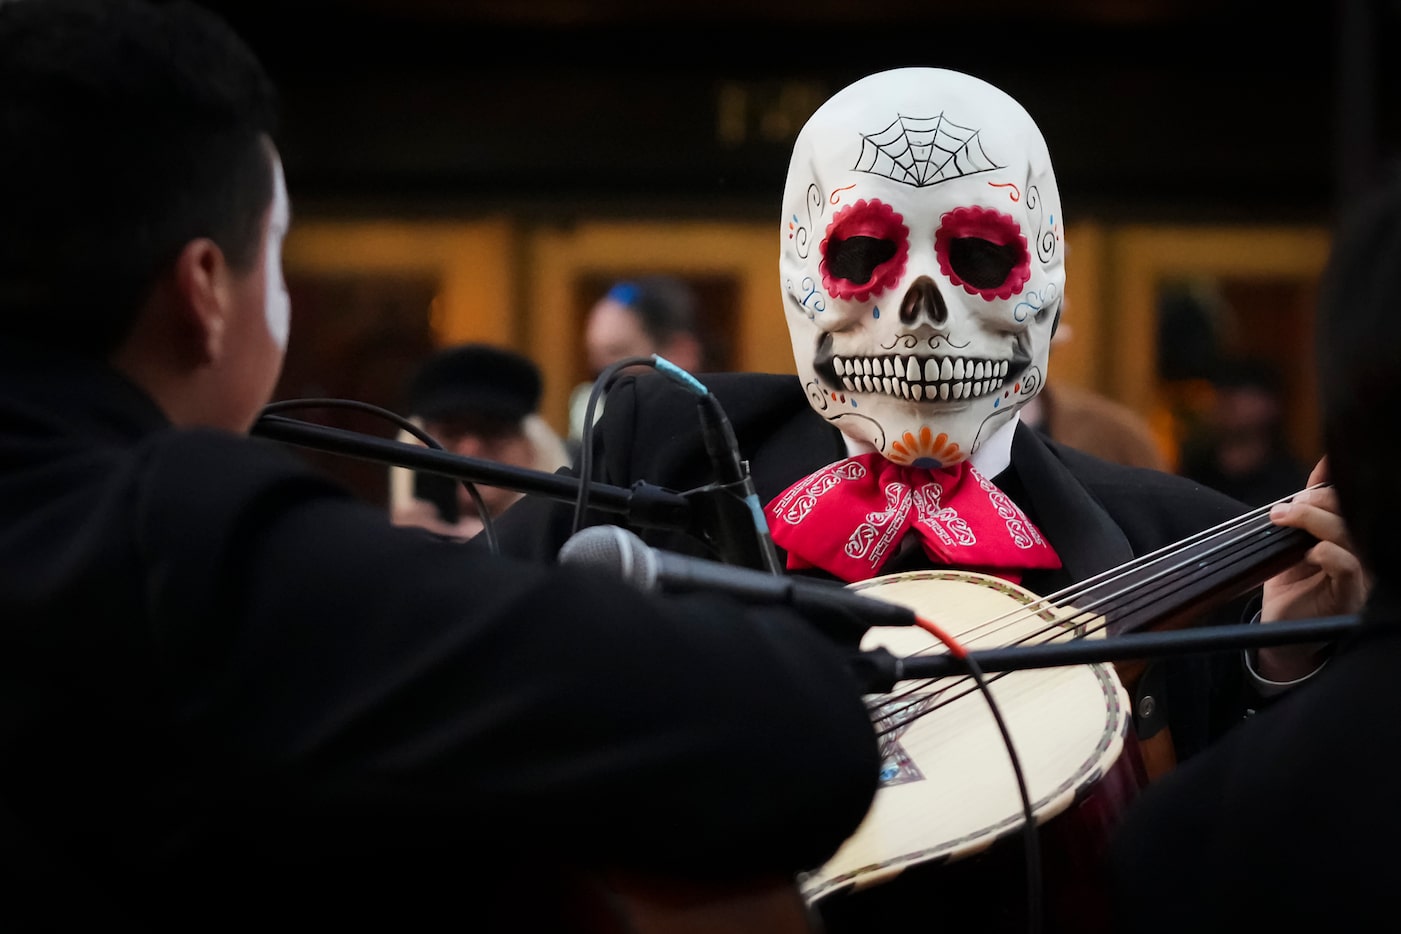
(665, 305)
(128, 128)
(1358, 350)
(489, 387)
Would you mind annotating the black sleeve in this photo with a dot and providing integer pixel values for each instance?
(534, 527)
(434, 693)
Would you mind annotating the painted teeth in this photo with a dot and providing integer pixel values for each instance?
(910, 377)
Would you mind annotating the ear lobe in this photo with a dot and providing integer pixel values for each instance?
(202, 298)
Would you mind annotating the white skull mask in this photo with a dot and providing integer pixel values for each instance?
(922, 262)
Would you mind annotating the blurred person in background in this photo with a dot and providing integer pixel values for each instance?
(479, 401)
(1289, 823)
(655, 314)
(1243, 449)
(1092, 422)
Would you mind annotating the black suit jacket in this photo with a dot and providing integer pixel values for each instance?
(232, 696)
(1098, 515)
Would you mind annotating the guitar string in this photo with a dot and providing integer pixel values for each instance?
(1144, 596)
(1242, 527)
(918, 695)
(1115, 575)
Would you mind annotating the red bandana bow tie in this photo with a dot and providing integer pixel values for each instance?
(849, 517)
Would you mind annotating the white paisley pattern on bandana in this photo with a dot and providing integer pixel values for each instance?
(800, 498)
(1023, 533)
(871, 540)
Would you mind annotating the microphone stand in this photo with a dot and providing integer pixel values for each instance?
(719, 508)
(643, 504)
(881, 669)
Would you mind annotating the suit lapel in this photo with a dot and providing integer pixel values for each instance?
(800, 446)
(1082, 532)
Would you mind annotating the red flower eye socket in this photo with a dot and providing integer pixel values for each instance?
(865, 250)
(983, 251)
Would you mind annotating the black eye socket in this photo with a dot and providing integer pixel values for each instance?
(982, 263)
(855, 259)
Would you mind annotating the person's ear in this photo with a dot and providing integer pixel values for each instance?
(202, 290)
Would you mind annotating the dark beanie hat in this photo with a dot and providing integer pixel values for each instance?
(475, 380)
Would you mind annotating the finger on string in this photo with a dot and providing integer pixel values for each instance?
(1323, 524)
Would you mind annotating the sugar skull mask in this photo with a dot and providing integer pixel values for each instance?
(922, 262)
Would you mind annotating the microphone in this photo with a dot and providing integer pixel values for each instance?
(652, 570)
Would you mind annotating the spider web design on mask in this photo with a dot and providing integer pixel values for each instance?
(923, 151)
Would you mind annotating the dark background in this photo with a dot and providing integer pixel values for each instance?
(1160, 111)
(1157, 112)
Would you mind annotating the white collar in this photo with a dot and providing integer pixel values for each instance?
(991, 458)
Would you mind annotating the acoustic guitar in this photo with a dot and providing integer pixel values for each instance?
(948, 787)
(948, 798)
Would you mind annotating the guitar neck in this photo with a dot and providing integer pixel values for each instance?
(1173, 587)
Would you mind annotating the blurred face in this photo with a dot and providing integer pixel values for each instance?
(511, 448)
(261, 322)
(613, 332)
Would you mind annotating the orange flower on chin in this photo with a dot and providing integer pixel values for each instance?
(928, 450)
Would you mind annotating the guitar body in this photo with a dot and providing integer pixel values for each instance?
(942, 846)
(945, 826)
(987, 891)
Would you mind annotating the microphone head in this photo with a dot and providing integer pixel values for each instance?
(613, 548)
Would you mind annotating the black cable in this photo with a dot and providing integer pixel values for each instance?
(601, 385)
(488, 530)
(1030, 837)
